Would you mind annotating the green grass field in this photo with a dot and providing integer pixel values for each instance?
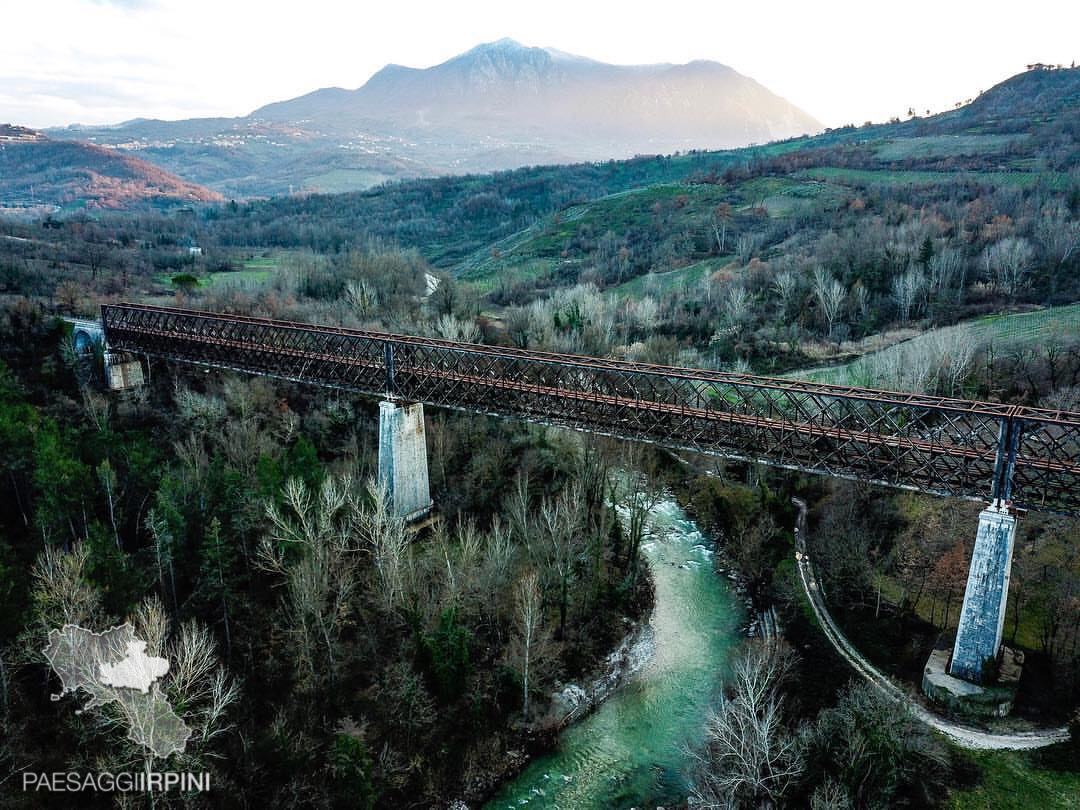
(658, 283)
(1018, 780)
(538, 248)
(344, 180)
(255, 271)
(783, 196)
(1007, 332)
(485, 279)
(932, 146)
(873, 177)
(238, 278)
(1027, 631)
(1029, 328)
(262, 263)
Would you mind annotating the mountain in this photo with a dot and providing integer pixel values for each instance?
(36, 171)
(566, 103)
(498, 106)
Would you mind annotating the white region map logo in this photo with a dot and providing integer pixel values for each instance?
(113, 667)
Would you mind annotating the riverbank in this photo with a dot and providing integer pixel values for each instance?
(703, 495)
(571, 701)
(631, 749)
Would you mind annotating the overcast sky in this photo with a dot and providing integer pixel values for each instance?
(105, 61)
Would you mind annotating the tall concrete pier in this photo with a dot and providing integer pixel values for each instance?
(982, 617)
(403, 470)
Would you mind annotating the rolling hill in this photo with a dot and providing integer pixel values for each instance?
(39, 171)
(545, 225)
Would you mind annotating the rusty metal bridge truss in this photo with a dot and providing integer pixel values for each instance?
(953, 447)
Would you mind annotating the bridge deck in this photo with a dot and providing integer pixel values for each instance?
(933, 444)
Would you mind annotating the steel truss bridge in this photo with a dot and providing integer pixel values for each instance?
(976, 450)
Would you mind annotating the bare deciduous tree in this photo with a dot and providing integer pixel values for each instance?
(750, 758)
(203, 411)
(939, 361)
(388, 541)
(860, 301)
(361, 296)
(830, 295)
(449, 327)
(643, 313)
(906, 289)
(786, 286)
(61, 592)
(519, 510)
(197, 684)
(1060, 235)
(110, 483)
(498, 553)
(528, 603)
(947, 268)
(562, 520)
(954, 349)
(830, 796)
(736, 308)
(518, 326)
(163, 554)
(1008, 262)
(312, 545)
(747, 245)
(97, 407)
(721, 218)
(640, 491)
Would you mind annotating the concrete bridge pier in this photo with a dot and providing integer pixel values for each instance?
(121, 370)
(403, 470)
(982, 617)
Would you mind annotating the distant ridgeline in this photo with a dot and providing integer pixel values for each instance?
(499, 106)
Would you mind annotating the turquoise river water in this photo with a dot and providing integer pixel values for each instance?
(632, 751)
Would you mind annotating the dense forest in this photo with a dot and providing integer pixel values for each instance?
(331, 657)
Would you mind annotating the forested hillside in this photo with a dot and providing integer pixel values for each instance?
(429, 213)
(41, 171)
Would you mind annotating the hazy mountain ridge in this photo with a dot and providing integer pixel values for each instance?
(498, 106)
(565, 102)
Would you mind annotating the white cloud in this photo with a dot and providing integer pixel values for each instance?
(103, 61)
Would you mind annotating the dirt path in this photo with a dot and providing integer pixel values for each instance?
(965, 736)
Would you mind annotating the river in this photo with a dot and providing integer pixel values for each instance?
(632, 751)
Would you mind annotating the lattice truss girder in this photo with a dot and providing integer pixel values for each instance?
(933, 444)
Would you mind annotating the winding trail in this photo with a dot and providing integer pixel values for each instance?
(963, 735)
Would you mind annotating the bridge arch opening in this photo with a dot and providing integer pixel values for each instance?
(85, 341)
